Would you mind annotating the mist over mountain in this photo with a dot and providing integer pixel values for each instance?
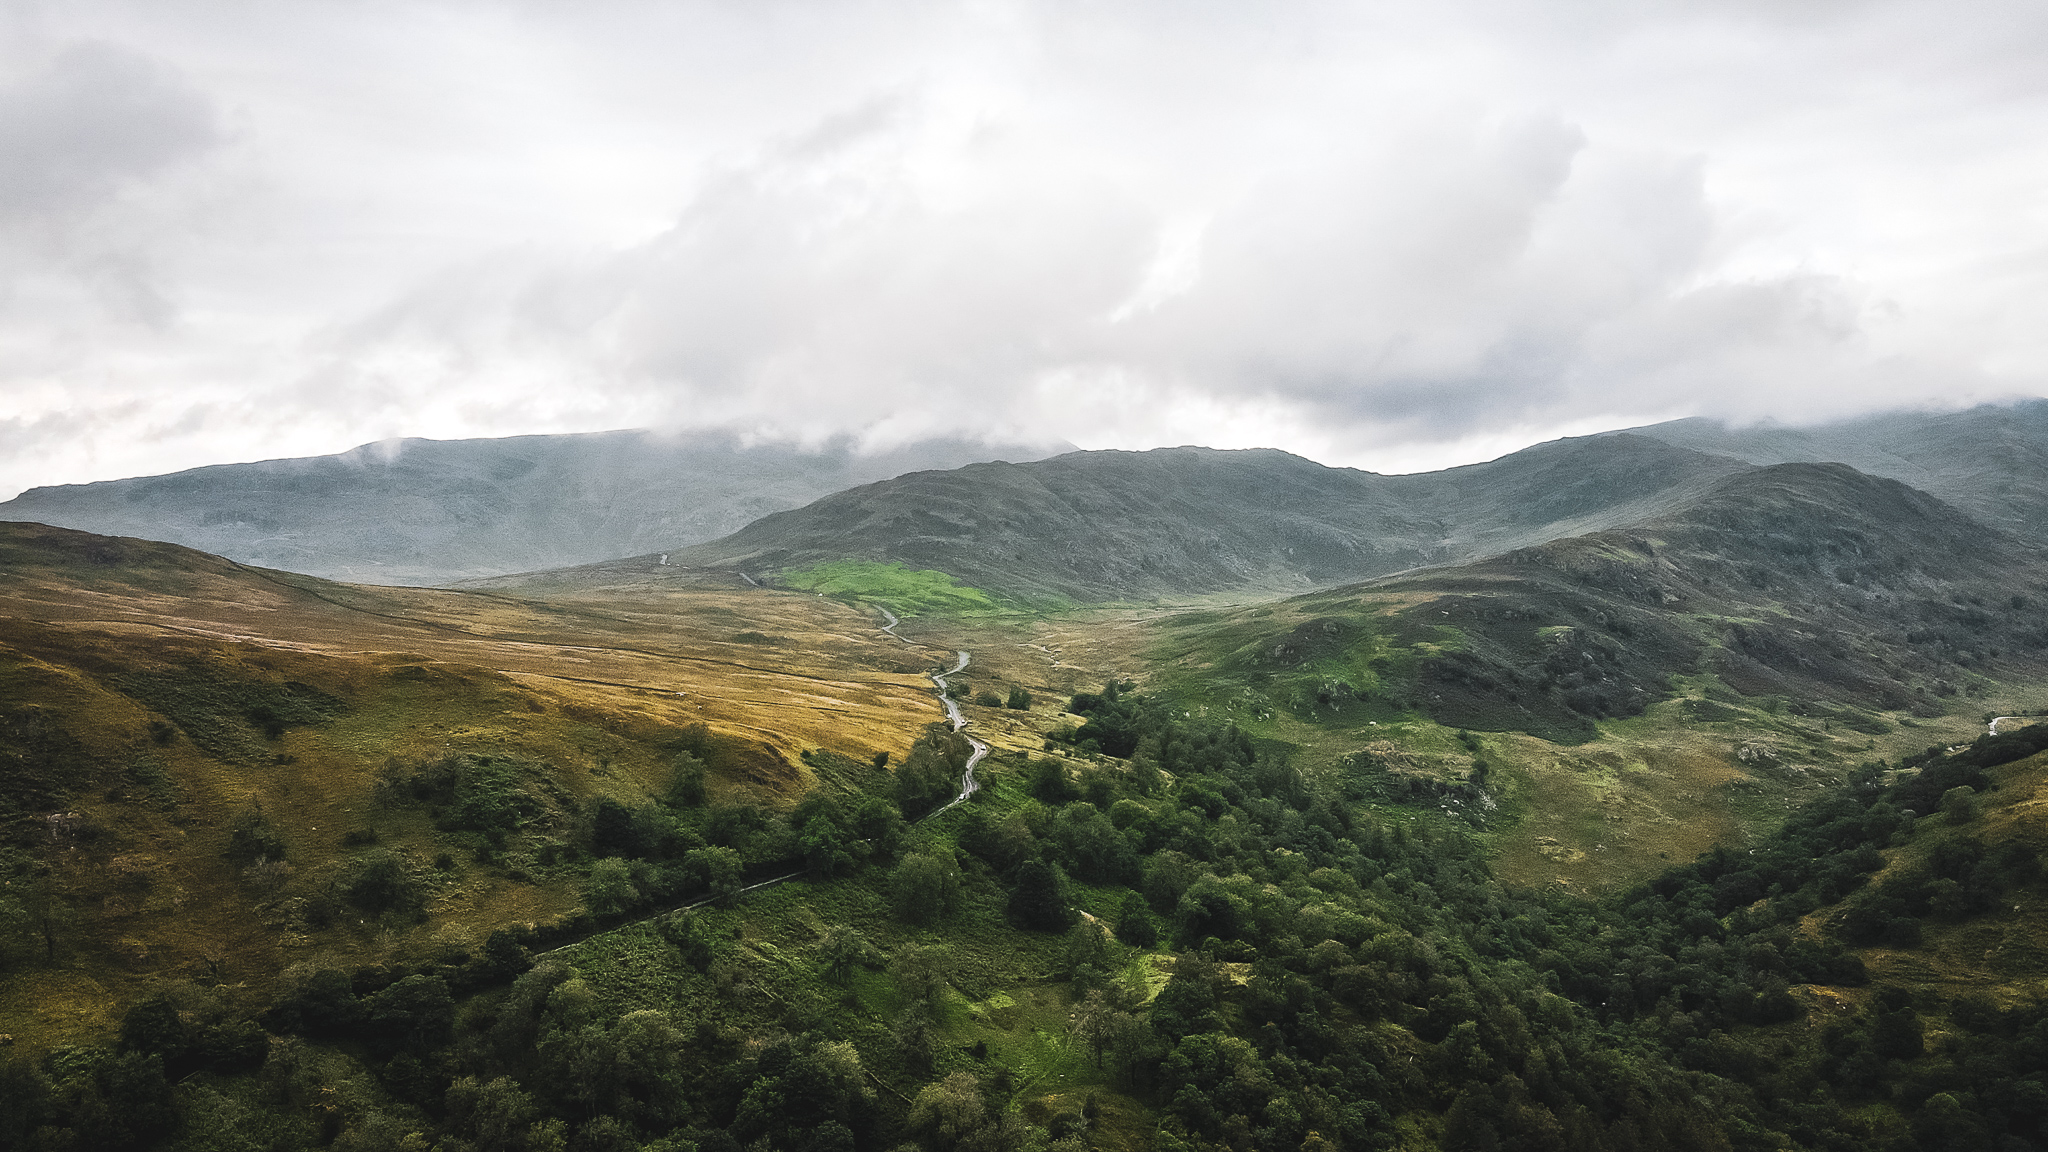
(1991, 460)
(429, 511)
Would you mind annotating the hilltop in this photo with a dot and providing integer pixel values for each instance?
(1174, 522)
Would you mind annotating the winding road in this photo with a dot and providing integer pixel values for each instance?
(968, 785)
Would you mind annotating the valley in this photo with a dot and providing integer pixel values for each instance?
(1664, 813)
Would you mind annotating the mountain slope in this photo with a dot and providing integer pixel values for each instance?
(1991, 461)
(430, 511)
(1095, 526)
(154, 699)
(1811, 582)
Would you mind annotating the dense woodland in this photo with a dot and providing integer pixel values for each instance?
(1345, 973)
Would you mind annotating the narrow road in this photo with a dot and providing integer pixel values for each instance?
(968, 786)
(1995, 720)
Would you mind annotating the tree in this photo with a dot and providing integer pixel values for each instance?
(496, 1114)
(917, 1035)
(948, 1112)
(1086, 957)
(715, 871)
(686, 782)
(416, 1014)
(925, 888)
(1020, 700)
(381, 886)
(879, 826)
(316, 1002)
(503, 957)
(1134, 924)
(645, 1080)
(615, 832)
(689, 936)
(930, 775)
(825, 850)
(1099, 1023)
(844, 950)
(919, 973)
(252, 838)
(1038, 897)
(1047, 779)
(1959, 805)
(609, 889)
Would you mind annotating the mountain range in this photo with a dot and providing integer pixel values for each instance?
(1094, 526)
(419, 512)
(1084, 526)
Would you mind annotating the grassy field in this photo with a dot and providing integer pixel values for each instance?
(904, 591)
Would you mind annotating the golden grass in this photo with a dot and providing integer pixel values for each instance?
(597, 687)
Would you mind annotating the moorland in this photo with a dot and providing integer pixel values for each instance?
(1616, 794)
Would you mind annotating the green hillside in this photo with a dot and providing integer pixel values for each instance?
(1090, 527)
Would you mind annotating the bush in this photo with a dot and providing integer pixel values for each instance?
(252, 838)
(1020, 700)
(381, 886)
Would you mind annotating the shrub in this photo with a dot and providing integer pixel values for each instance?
(380, 885)
(252, 838)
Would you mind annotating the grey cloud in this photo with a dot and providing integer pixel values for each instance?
(1325, 226)
(1477, 274)
(91, 120)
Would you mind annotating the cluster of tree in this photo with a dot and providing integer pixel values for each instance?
(1341, 974)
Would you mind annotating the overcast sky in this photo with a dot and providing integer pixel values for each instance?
(1389, 235)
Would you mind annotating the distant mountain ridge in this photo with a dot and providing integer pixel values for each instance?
(1081, 527)
(431, 511)
(1095, 526)
(1990, 461)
